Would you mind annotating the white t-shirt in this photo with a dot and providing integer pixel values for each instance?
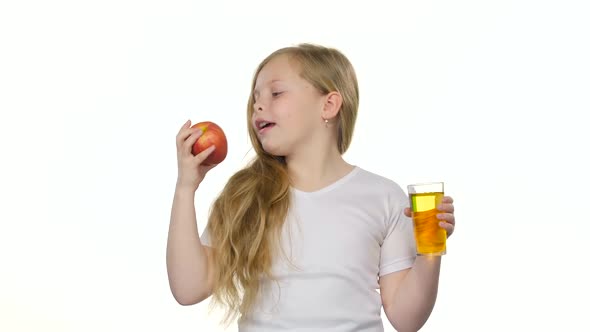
(340, 239)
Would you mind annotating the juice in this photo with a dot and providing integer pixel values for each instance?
(430, 237)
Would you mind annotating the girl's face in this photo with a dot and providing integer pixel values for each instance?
(287, 108)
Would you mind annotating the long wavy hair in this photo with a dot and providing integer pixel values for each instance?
(246, 219)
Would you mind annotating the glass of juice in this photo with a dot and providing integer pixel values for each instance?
(431, 239)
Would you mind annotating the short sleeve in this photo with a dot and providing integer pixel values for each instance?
(205, 239)
(398, 250)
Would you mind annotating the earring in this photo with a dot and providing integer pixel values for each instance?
(326, 122)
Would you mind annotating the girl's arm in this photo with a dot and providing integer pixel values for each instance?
(187, 260)
(408, 296)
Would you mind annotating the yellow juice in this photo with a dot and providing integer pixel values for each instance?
(430, 237)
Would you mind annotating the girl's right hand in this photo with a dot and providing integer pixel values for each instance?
(190, 170)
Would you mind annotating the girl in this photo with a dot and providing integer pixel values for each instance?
(300, 239)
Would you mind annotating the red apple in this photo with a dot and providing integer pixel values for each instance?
(212, 135)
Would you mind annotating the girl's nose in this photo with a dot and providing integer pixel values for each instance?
(258, 106)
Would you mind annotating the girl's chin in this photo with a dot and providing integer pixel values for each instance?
(272, 150)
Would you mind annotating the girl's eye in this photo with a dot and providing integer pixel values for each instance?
(276, 94)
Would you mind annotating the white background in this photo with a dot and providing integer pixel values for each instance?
(488, 96)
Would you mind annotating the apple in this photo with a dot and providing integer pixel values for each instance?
(212, 135)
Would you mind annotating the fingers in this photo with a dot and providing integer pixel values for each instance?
(193, 136)
(408, 212)
(183, 133)
(447, 217)
(448, 228)
(446, 207)
(447, 221)
(199, 158)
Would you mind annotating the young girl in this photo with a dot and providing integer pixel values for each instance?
(300, 239)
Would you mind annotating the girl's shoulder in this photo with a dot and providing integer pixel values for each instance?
(379, 182)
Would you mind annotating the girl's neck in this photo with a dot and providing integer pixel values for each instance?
(313, 173)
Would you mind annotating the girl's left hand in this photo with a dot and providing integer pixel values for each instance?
(446, 215)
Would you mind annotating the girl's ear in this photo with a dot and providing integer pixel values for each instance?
(332, 105)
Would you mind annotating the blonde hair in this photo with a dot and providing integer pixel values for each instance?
(246, 219)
